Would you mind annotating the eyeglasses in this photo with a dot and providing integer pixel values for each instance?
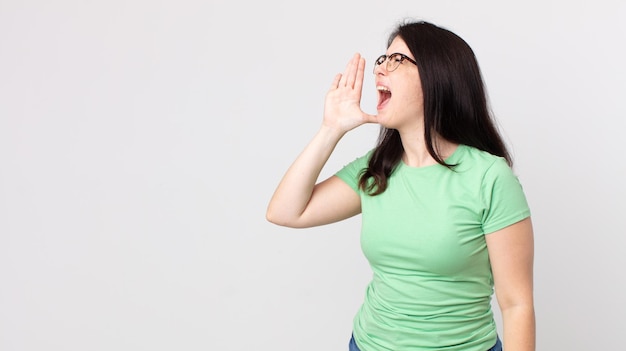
(393, 61)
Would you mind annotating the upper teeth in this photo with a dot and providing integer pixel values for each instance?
(381, 88)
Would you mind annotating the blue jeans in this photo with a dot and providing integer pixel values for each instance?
(497, 346)
(352, 346)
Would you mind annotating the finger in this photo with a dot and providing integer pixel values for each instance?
(335, 83)
(360, 73)
(346, 73)
(351, 70)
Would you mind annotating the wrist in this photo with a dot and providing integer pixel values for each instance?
(331, 133)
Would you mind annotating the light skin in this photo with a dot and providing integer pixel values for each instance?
(300, 202)
(405, 110)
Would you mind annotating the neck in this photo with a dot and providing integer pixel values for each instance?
(416, 153)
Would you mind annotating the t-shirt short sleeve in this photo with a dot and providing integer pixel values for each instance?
(503, 197)
(351, 172)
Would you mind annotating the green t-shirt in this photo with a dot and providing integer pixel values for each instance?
(424, 238)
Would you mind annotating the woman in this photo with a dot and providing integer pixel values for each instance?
(444, 219)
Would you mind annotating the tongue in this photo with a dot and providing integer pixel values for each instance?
(384, 98)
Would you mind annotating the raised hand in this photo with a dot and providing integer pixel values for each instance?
(342, 108)
(299, 201)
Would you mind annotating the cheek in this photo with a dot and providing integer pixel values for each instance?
(417, 93)
(412, 97)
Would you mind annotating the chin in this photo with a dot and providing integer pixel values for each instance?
(384, 120)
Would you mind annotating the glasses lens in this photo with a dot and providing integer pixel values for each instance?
(393, 62)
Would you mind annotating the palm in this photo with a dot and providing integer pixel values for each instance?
(342, 108)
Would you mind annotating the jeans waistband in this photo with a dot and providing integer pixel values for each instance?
(353, 347)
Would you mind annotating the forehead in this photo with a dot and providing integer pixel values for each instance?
(398, 45)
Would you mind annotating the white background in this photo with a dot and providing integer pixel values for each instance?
(140, 142)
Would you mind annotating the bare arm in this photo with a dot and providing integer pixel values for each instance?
(298, 201)
(511, 252)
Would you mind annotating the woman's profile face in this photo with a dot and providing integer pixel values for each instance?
(400, 98)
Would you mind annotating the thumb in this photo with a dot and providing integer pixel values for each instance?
(367, 118)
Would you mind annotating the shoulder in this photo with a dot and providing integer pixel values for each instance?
(480, 158)
(501, 193)
(359, 163)
(350, 172)
(481, 163)
(487, 171)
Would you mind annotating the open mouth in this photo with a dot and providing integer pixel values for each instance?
(384, 95)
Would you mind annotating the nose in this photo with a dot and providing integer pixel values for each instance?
(380, 69)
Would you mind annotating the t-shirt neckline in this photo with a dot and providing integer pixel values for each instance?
(452, 159)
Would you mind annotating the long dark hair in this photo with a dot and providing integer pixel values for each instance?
(455, 102)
